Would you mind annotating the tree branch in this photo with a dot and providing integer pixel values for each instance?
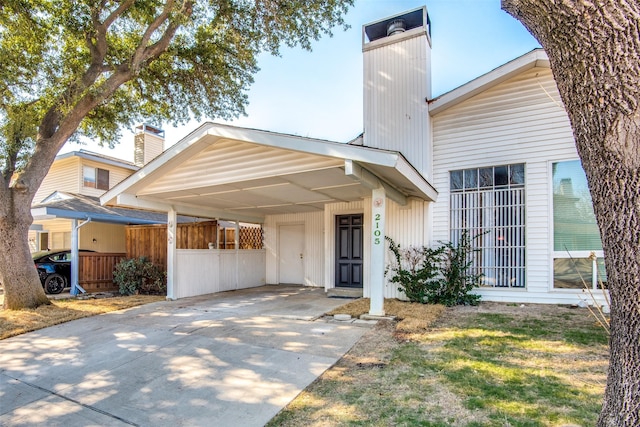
(139, 54)
(116, 13)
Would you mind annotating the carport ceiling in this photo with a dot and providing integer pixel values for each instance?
(234, 173)
(295, 192)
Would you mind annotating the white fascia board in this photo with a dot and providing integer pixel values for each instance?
(305, 145)
(147, 203)
(159, 164)
(40, 214)
(408, 171)
(96, 157)
(535, 58)
(371, 181)
(210, 133)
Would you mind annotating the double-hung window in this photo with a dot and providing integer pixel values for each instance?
(578, 259)
(95, 178)
(489, 204)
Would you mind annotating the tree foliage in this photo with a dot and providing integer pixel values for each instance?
(146, 59)
(87, 68)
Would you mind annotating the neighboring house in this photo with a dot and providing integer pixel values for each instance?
(495, 157)
(71, 190)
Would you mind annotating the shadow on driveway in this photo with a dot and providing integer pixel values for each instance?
(234, 358)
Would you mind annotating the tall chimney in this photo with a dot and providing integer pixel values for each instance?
(148, 144)
(397, 84)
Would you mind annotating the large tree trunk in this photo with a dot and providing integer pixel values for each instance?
(18, 275)
(21, 283)
(594, 51)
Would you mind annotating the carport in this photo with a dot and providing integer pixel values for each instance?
(248, 175)
(80, 210)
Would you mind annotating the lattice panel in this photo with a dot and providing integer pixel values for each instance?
(251, 238)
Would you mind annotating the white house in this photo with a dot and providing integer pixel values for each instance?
(495, 157)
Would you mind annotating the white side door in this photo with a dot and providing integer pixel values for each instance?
(291, 254)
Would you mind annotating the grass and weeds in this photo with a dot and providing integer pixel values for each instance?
(16, 322)
(492, 365)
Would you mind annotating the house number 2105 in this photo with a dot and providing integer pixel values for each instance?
(377, 234)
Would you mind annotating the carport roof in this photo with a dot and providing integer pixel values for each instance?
(227, 172)
(77, 206)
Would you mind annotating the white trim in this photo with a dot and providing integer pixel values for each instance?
(210, 133)
(97, 157)
(553, 254)
(378, 249)
(408, 171)
(370, 180)
(149, 203)
(172, 257)
(535, 58)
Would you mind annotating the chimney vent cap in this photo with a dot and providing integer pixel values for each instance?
(155, 130)
(396, 26)
(416, 18)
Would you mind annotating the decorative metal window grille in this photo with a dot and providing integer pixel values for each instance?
(489, 204)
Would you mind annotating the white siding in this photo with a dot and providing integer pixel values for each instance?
(64, 175)
(406, 225)
(147, 146)
(396, 87)
(220, 162)
(116, 175)
(313, 246)
(204, 271)
(519, 121)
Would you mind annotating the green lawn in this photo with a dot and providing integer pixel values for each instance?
(495, 365)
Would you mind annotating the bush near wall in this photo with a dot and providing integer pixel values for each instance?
(441, 275)
(140, 276)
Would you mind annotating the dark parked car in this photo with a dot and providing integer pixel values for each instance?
(54, 269)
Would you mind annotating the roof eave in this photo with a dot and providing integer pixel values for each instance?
(535, 58)
(48, 213)
(210, 133)
(98, 158)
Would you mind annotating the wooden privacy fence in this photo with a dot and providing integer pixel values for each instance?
(150, 241)
(95, 272)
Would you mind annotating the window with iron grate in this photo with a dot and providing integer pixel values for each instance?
(489, 203)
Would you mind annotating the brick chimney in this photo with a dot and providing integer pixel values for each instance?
(148, 144)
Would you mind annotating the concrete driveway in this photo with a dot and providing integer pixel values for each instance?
(234, 358)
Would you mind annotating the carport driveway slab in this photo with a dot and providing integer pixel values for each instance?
(234, 358)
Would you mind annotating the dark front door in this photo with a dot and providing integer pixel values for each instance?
(349, 251)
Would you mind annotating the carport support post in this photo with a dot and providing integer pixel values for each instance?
(75, 256)
(172, 228)
(378, 207)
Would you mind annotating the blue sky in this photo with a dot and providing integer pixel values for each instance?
(319, 93)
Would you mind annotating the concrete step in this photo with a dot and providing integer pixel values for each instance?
(345, 293)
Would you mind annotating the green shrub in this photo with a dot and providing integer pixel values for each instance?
(139, 275)
(441, 275)
(458, 278)
(415, 270)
